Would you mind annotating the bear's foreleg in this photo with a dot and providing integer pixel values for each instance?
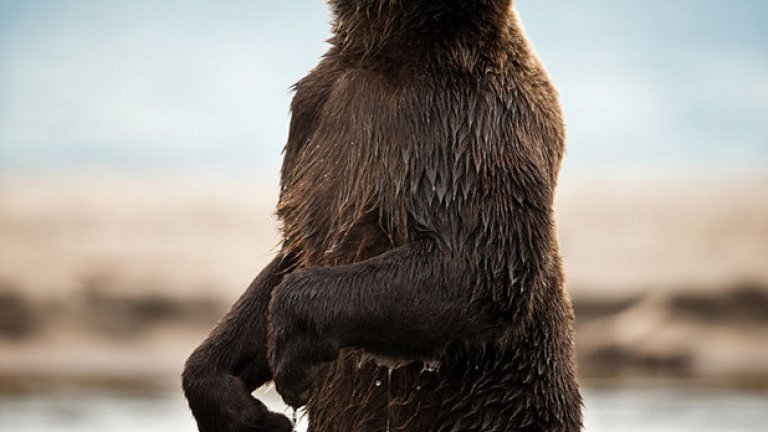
(407, 304)
(222, 372)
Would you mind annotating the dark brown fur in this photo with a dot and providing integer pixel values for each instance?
(416, 201)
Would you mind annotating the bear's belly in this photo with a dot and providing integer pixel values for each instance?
(476, 394)
(357, 394)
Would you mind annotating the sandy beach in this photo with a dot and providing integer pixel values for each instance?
(116, 279)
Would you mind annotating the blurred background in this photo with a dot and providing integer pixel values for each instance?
(140, 145)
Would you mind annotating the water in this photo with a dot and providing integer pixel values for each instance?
(607, 410)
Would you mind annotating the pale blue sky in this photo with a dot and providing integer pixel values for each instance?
(178, 85)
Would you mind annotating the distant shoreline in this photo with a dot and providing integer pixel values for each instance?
(116, 278)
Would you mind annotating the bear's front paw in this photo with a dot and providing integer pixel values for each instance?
(297, 347)
(295, 360)
(271, 422)
(293, 384)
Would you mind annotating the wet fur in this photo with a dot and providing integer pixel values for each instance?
(416, 207)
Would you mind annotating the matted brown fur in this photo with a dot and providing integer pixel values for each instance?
(416, 208)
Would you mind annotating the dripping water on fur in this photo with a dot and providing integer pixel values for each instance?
(389, 395)
(433, 366)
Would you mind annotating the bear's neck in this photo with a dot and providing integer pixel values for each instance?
(412, 31)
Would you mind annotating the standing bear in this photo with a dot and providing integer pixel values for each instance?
(419, 285)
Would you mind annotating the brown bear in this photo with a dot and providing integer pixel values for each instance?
(419, 285)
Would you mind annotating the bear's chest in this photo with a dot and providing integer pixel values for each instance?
(343, 204)
(385, 161)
